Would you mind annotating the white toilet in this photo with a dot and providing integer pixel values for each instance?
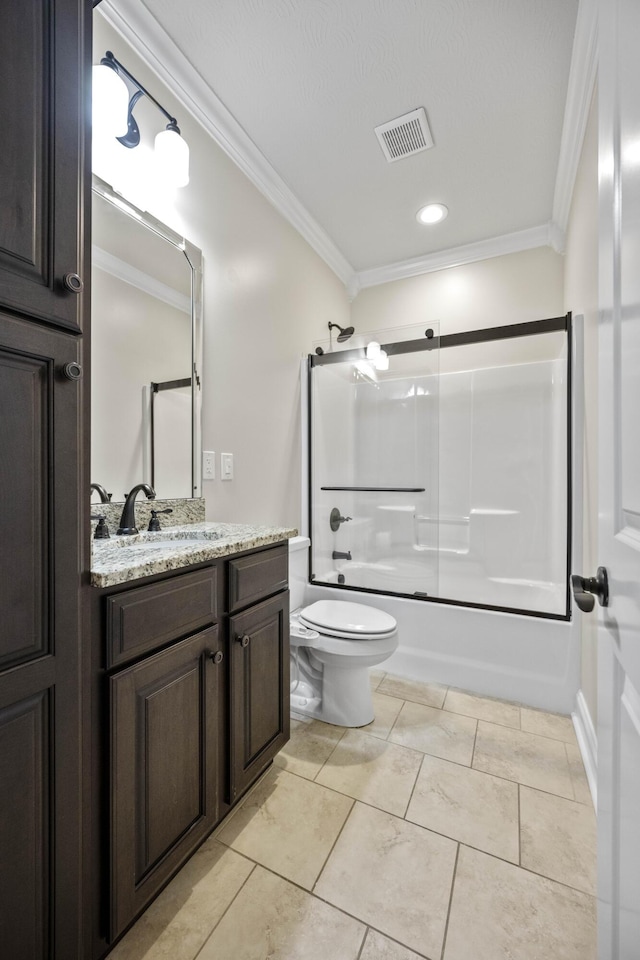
(333, 645)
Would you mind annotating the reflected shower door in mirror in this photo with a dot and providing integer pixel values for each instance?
(147, 345)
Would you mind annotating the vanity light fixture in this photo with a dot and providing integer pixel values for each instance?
(115, 112)
(432, 213)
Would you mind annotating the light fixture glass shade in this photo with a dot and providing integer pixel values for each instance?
(110, 102)
(172, 157)
(373, 350)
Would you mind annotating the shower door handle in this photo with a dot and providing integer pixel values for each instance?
(586, 589)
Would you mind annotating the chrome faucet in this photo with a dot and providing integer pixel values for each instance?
(128, 518)
(101, 491)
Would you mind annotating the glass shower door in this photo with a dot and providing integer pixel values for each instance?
(374, 468)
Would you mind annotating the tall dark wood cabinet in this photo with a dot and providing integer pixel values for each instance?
(45, 58)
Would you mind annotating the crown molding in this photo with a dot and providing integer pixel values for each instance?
(138, 278)
(133, 21)
(547, 234)
(155, 47)
(582, 78)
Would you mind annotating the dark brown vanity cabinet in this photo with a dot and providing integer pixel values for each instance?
(165, 767)
(194, 688)
(259, 663)
(259, 689)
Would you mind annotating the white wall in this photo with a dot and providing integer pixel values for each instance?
(581, 296)
(267, 297)
(511, 289)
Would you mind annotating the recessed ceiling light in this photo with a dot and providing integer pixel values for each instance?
(432, 213)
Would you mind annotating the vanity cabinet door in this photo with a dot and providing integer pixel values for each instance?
(259, 689)
(164, 767)
(45, 52)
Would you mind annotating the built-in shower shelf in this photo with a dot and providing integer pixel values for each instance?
(448, 521)
(439, 550)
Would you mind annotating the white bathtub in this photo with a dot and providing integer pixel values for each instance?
(527, 659)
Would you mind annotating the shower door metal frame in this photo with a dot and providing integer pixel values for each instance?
(486, 335)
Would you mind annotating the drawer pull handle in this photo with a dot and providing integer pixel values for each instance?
(244, 640)
(217, 657)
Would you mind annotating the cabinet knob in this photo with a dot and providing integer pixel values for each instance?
(72, 371)
(244, 640)
(73, 282)
(217, 657)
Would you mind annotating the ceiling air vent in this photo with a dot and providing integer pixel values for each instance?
(405, 135)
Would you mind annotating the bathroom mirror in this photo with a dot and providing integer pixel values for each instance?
(146, 351)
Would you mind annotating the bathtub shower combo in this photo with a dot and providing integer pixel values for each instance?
(439, 494)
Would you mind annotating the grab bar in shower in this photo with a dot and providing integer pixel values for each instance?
(379, 489)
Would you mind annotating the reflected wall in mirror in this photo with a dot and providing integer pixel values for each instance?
(146, 352)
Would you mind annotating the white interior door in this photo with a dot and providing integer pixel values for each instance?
(619, 491)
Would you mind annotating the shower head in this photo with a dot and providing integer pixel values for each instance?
(345, 332)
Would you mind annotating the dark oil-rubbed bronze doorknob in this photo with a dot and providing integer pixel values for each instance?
(217, 657)
(586, 589)
(244, 641)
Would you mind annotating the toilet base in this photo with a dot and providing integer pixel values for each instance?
(335, 694)
(347, 699)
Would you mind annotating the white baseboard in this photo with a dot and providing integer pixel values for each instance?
(587, 742)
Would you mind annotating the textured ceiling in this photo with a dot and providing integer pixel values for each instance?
(308, 80)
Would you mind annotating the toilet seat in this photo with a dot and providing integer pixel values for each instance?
(349, 621)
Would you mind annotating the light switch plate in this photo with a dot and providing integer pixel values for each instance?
(208, 465)
(226, 466)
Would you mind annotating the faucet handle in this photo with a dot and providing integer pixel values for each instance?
(154, 523)
(102, 530)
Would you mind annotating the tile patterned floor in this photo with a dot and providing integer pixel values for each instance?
(453, 827)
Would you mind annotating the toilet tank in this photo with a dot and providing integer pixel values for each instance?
(298, 570)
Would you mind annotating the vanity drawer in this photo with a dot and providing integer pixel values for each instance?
(144, 618)
(257, 576)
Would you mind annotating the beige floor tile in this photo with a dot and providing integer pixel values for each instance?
(386, 711)
(500, 912)
(558, 839)
(273, 920)
(552, 725)
(476, 808)
(377, 947)
(288, 825)
(177, 924)
(432, 694)
(376, 677)
(311, 743)
(536, 761)
(579, 780)
(442, 734)
(392, 874)
(372, 770)
(483, 708)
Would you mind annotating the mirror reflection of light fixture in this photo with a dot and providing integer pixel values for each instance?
(171, 152)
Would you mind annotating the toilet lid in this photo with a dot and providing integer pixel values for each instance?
(341, 618)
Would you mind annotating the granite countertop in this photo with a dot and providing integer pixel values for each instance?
(122, 559)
